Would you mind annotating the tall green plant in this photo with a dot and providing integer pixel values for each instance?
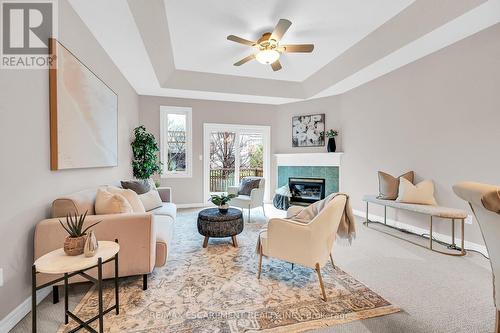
(145, 151)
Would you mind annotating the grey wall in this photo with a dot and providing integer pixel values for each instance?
(28, 185)
(190, 190)
(330, 106)
(438, 116)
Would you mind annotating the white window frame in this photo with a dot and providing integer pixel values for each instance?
(164, 112)
(265, 131)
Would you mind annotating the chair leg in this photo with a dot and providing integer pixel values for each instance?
(264, 211)
(497, 322)
(331, 259)
(293, 266)
(318, 270)
(248, 213)
(55, 294)
(144, 282)
(260, 264)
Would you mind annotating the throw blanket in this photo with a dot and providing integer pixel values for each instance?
(347, 226)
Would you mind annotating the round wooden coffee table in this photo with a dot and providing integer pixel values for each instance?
(213, 223)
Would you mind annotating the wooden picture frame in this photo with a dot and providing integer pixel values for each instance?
(83, 114)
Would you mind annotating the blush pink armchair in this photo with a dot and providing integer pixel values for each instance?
(309, 245)
(479, 196)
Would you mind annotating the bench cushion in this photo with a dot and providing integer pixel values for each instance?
(438, 211)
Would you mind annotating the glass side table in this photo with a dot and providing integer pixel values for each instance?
(57, 262)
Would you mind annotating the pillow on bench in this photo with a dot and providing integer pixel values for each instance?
(422, 193)
(388, 186)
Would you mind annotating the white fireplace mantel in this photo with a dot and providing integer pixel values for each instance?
(309, 159)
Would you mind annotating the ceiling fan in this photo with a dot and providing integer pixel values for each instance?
(268, 46)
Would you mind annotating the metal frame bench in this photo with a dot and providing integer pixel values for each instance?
(432, 211)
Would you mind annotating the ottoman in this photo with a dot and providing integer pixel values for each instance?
(213, 223)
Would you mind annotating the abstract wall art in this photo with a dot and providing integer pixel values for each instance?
(308, 130)
(83, 114)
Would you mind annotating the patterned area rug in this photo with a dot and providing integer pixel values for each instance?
(215, 289)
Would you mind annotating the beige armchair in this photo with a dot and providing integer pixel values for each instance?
(477, 196)
(254, 200)
(309, 245)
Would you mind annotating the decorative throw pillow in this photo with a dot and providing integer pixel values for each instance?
(131, 196)
(151, 200)
(491, 201)
(422, 193)
(109, 203)
(388, 185)
(247, 185)
(138, 186)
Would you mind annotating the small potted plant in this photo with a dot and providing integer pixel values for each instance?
(331, 134)
(75, 241)
(221, 201)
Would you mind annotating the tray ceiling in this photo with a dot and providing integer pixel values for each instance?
(179, 48)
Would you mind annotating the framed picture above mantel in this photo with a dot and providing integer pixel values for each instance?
(308, 130)
(83, 114)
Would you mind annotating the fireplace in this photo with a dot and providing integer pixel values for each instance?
(306, 190)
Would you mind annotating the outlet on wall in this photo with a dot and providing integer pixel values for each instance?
(468, 219)
(1, 277)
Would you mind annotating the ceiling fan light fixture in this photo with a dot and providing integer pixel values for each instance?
(267, 57)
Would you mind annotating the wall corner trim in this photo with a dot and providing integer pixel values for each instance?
(16, 315)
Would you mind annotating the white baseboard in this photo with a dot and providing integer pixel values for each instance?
(15, 316)
(417, 230)
(194, 205)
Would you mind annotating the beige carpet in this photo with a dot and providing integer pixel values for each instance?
(216, 290)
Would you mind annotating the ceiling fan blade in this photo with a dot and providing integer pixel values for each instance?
(276, 66)
(240, 40)
(298, 47)
(280, 29)
(244, 60)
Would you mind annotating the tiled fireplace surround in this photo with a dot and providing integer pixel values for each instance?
(310, 165)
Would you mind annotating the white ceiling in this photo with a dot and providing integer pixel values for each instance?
(198, 31)
(179, 48)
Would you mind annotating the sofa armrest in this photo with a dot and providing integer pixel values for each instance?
(165, 194)
(135, 232)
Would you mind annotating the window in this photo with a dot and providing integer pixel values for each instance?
(176, 141)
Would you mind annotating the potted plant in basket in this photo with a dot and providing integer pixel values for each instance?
(221, 201)
(75, 241)
(331, 134)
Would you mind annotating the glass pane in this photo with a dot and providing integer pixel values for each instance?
(222, 157)
(176, 160)
(251, 155)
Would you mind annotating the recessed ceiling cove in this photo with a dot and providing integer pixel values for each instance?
(179, 48)
(198, 31)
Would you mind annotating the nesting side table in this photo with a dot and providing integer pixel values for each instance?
(57, 262)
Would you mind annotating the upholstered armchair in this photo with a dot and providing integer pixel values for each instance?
(309, 245)
(484, 201)
(254, 200)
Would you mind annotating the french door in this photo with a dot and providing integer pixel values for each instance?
(232, 152)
